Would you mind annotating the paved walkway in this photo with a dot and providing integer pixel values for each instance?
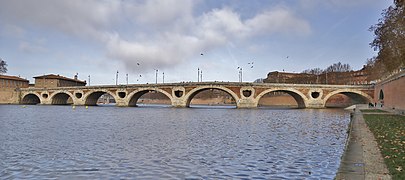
(362, 158)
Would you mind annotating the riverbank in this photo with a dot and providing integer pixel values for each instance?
(389, 131)
(362, 158)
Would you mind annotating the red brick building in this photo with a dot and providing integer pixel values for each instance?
(9, 86)
(338, 78)
(52, 81)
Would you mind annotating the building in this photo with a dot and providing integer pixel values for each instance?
(337, 78)
(8, 88)
(52, 81)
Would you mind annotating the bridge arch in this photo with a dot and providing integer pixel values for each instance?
(61, 98)
(135, 95)
(31, 99)
(299, 97)
(356, 95)
(91, 98)
(190, 95)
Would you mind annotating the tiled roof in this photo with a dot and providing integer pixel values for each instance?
(13, 78)
(53, 76)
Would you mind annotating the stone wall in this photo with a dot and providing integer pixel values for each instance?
(342, 78)
(9, 96)
(390, 93)
(49, 83)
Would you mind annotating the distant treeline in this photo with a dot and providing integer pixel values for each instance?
(336, 67)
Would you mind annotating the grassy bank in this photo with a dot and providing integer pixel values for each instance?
(389, 131)
(372, 111)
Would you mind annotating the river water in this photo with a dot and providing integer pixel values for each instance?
(170, 143)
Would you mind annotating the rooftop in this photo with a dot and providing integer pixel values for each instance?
(53, 76)
(13, 78)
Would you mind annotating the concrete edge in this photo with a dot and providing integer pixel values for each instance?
(361, 158)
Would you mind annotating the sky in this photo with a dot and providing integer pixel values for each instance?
(97, 38)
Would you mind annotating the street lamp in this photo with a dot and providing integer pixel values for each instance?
(198, 75)
(127, 78)
(89, 80)
(163, 77)
(156, 74)
(240, 74)
(201, 76)
(116, 78)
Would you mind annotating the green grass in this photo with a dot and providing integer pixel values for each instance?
(372, 111)
(389, 131)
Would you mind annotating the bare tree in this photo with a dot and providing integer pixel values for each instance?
(389, 38)
(338, 67)
(3, 66)
(315, 71)
(260, 80)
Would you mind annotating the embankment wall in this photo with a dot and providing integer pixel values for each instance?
(390, 93)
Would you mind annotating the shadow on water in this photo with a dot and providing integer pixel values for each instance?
(278, 107)
(212, 106)
(153, 106)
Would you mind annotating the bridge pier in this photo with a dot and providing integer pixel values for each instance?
(121, 103)
(179, 103)
(315, 104)
(46, 101)
(246, 103)
(79, 102)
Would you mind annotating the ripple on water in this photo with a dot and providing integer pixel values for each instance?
(150, 143)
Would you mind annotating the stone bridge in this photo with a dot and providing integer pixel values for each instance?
(246, 95)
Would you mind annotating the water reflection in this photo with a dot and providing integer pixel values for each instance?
(149, 143)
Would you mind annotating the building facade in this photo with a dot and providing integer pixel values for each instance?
(336, 78)
(8, 88)
(52, 81)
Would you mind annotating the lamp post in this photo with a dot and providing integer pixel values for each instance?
(89, 80)
(127, 78)
(198, 75)
(156, 74)
(116, 78)
(240, 74)
(201, 76)
(163, 77)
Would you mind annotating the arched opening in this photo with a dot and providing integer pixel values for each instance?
(281, 99)
(381, 95)
(211, 98)
(100, 98)
(345, 99)
(78, 95)
(31, 99)
(62, 99)
(150, 98)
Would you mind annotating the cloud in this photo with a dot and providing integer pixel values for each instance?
(279, 20)
(13, 31)
(27, 47)
(157, 12)
(333, 4)
(157, 34)
(81, 18)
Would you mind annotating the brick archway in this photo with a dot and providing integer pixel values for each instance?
(190, 95)
(91, 98)
(299, 97)
(135, 95)
(31, 99)
(348, 91)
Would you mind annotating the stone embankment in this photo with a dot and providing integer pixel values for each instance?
(362, 158)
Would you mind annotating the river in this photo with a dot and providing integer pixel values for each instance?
(62, 142)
